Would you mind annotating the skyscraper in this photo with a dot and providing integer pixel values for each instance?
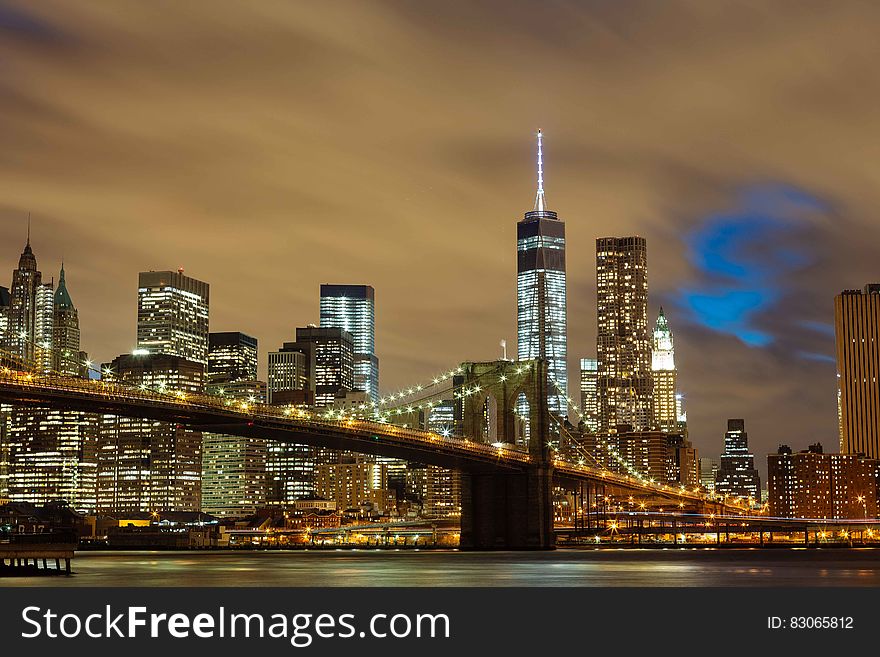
(737, 476)
(173, 315)
(353, 308)
(541, 292)
(233, 467)
(623, 345)
(664, 375)
(334, 360)
(857, 331)
(66, 354)
(145, 465)
(589, 394)
(23, 304)
(232, 356)
(4, 315)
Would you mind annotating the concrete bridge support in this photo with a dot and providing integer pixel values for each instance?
(507, 511)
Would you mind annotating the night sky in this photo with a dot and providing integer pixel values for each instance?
(270, 147)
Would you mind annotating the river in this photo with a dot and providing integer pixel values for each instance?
(568, 567)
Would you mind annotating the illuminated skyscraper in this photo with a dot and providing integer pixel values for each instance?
(173, 315)
(4, 315)
(44, 326)
(737, 476)
(23, 304)
(334, 360)
(664, 374)
(590, 393)
(857, 330)
(232, 356)
(66, 354)
(145, 465)
(623, 345)
(233, 467)
(353, 308)
(541, 292)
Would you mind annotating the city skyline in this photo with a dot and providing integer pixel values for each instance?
(763, 194)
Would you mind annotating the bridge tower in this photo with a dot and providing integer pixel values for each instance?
(504, 509)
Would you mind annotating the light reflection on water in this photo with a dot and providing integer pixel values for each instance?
(425, 568)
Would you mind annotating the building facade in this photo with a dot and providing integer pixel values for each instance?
(173, 315)
(812, 484)
(590, 394)
(737, 476)
(623, 344)
(665, 399)
(353, 308)
(232, 356)
(26, 278)
(234, 468)
(541, 304)
(68, 358)
(857, 333)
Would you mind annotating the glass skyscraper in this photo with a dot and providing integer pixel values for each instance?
(541, 292)
(666, 401)
(589, 394)
(353, 308)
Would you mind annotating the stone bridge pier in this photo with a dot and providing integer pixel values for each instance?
(508, 509)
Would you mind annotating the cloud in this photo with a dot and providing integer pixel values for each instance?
(269, 149)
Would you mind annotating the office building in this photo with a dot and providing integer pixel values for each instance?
(26, 279)
(812, 484)
(623, 345)
(857, 332)
(44, 327)
(708, 469)
(737, 476)
(667, 458)
(145, 465)
(4, 315)
(590, 394)
(173, 315)
(290, 379)
(541, 293)
(234, 474)
(333, 350)
(353, 308)
(68, 359)
(232, 356)
(666, 401)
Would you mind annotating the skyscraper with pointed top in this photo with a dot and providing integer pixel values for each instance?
(26, 279)
(541, 292)
(66, 354)
(666, 413)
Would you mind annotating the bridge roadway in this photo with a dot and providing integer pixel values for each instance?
(289, 424)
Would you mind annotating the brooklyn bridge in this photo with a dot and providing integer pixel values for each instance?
(507, 478)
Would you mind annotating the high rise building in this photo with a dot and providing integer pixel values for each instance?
(145, 465)
(737, 476)
(291, 379)
(353, 308)
(708, 469)
(590, 394)
(812, 484)
(623, 345)
(232, 356)
(233, 467)
(66, 354)
(173, 315)
(541, 292)
(333, 350)
(4, 315)
(44, 326)
(23, 304)
(857, 331)
(666, 458)
(666, 405)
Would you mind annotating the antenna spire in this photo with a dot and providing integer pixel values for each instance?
(29, 230)
(540, 204)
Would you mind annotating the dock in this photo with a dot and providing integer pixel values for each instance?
(24, 554)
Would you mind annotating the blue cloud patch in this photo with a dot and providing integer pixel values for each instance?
(742, 256)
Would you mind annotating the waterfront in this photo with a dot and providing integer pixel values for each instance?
(570, 567)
